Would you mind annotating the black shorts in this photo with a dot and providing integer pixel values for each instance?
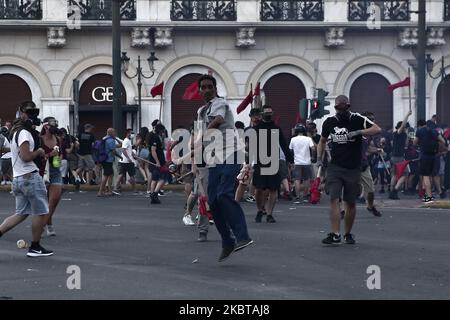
(157, 174)
(125, 168)
(426, 166)
(341, 180)
(263, 182)
(107, 169)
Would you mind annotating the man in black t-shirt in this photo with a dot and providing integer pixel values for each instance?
(85, 160)
(345, 130)
(157, 157)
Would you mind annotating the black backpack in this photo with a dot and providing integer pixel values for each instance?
(430, 144)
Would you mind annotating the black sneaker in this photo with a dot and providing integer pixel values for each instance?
(154, 198)
(93, 183)
(374, 211)
(270, 219)
(393, 195)
(259, 216)
(202, 237)
(348, 239)
(161, 193)
(225, 253)
(39, 251)
(332, 239)
(427, 199)
(242, 244)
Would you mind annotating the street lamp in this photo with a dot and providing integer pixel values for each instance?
(430, 65)
(139, 73)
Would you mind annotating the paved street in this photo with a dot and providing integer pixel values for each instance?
(127, 249)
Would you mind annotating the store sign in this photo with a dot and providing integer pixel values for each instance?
(102, 94)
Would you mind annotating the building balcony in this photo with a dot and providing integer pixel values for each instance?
(203, 10)
(294, 10)
(101, 9)
(385, 10)
(20, 10)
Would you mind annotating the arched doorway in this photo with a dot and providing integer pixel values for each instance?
(370, 92)
(13, 91)
(283, 92)
(443, 101)
(184, 112)
(96, 104)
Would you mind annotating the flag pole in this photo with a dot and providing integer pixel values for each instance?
(409, 88)
(251, 90)
(161, 105)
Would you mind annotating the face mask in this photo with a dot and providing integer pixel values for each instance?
(132, 136)
(53, 130)
(343, 116)
(267, 117)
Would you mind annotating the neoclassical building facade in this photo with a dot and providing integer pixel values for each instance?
(347, 47)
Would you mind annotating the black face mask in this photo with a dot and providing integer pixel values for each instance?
(267, 118)
(53, 130)
(343, 116)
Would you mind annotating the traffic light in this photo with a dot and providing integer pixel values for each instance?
(315, 110)
(303, 108)
(321, 94)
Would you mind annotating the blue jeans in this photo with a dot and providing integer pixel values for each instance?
(228, 215)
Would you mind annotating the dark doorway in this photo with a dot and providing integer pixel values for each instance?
(443, 101)
(283, 92)
(184, 112)
(13, 90)
(370, 92)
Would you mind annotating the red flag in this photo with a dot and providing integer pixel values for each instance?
(298, 118)
(157, 90)
(191, 92)
(276, 120)
(245, 102)
(400, 168)
(404, 83)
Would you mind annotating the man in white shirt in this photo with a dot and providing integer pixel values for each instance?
(302, 146)
(126, 163)
(28, 186)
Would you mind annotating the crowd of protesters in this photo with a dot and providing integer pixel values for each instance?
(404, 160)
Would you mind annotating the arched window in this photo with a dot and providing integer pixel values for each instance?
(370, 92)
(283, 93)
(13, 91)
(184, 112)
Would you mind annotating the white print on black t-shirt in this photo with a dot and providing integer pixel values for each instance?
(340, 136)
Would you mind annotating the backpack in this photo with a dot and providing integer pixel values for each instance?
(430, 144)
(99, 151)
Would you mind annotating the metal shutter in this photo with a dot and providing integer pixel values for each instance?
(370, 93)
(13, 91)
(442, 109)
(184, 112)
(283, 93)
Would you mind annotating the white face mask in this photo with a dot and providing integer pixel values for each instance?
(132, 136)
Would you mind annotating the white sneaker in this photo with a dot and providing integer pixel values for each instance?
(8, 183)
(3, 183)
(51, 231)
(187, 220)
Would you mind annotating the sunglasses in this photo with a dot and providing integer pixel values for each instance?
(51, 122)
(209, 86)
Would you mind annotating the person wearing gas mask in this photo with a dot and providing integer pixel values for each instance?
(268, 182)
(50, 167)
(345, 130)
(28, 186)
